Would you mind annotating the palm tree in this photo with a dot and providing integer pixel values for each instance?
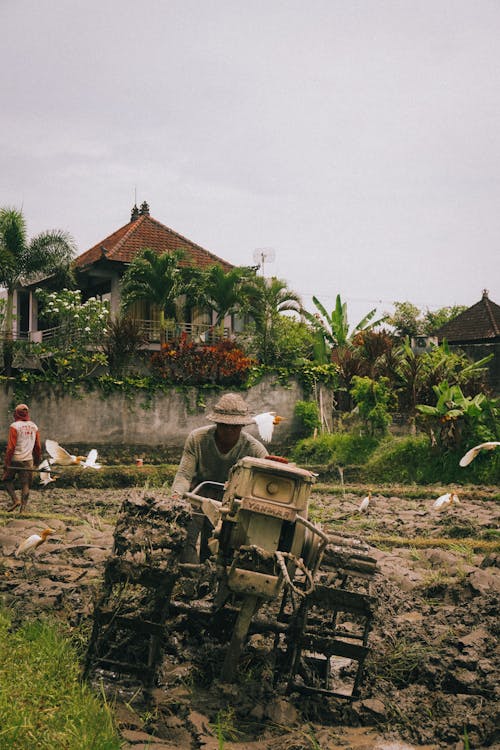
(224, 291)
(23, 261)
(158, 279)
(265, 300)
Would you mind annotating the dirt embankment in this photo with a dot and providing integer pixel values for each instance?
(432, 679)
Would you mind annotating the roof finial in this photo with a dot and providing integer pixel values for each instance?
(134, 214)
(144, 209)
(485, 293)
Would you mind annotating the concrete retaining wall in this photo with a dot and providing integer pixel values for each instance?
(117, 420)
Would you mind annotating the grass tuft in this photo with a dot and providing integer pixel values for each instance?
(43, 703)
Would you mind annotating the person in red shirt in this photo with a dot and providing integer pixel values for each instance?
(24, 451)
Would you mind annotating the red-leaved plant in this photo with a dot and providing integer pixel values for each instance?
(185, 361)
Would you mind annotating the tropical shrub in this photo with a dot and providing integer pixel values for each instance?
(122, 343)
(292, 342)
(373, 399)
(456, 416)
(184, 361)
(307, 413)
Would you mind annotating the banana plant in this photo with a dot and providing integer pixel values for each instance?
(334, 326)
(452, 407)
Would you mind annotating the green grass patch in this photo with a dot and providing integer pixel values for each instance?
(401, 460)
(43, 703)
(413, 459)
(336, 449)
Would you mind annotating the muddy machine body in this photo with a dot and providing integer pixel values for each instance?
(270, 571)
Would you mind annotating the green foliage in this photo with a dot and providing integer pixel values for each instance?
(43, 703)
(156, 279)
(122, 344)
(225, 727)
(415, 375)
(292, 342)
(373, 399)
(413, 459)
(401, 460)
(454, 413)
(184, 361)
(405, 319)
(334, 326)
(22, 261)
(70, 356)
(264, 301)
(310, 375)
(65, 308)
(308, 416)
(340, 449)
(223, 291)
(435, 320)
(409, 320)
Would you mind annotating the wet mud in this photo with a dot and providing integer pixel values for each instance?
(431, 680)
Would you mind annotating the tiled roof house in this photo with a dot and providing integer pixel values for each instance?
(100, 268)
(477, 331)
(99, 271)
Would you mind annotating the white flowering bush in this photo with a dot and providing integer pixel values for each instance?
(74, 350)
(87, 321)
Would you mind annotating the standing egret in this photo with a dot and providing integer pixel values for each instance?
(32, 542)
(448, 499)
(365, 503)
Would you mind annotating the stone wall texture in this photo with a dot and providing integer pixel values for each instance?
(166, 420)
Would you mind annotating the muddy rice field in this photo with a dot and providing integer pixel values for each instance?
(433, 675)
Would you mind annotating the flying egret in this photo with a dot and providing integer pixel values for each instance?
(265, 424)
(45, 472)
(365, 503)
(60, 454)
(448, 499)
(472, 453)
(90, 461)
(32, 542)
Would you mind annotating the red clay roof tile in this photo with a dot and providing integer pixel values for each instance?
(124, 244)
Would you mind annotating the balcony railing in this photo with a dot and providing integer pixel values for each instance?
(200, 333)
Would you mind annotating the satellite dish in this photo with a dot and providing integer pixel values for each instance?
(263, 255)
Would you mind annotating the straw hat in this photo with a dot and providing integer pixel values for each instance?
(231, 409)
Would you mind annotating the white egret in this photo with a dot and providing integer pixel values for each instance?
(472, 453)
(60, 454)
(265, 424)
(448, 499)
(32, 542)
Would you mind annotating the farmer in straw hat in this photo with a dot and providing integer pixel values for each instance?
(24, 450)
(209, 454)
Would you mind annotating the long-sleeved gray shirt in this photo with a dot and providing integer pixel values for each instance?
(202, 461)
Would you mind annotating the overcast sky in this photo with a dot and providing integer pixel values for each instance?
(357, 139)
